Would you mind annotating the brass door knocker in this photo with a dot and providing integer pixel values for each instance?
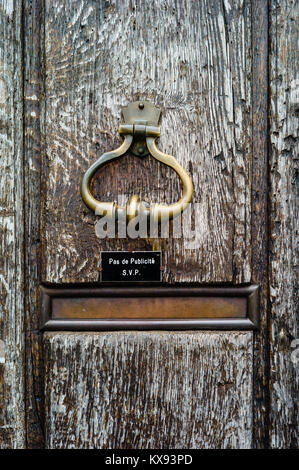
(140, 132)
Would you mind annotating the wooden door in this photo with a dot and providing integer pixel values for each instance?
(228, 101)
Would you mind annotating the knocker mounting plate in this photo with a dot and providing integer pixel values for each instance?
(141, 113)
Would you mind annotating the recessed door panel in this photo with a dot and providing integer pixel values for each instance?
(193, 60)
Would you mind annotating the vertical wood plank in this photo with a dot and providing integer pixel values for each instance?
(12, 416)
(260, 219)
(32, 18)
(284, 326)
(149, 390)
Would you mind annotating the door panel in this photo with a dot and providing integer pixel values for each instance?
(150, 390)
(193, 59)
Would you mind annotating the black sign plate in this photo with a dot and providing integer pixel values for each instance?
(125, 266)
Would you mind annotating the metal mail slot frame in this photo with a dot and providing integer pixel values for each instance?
(149, 308)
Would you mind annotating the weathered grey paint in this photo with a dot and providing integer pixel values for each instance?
(192, 61)
(12, 417)
(284, 326)
(83, 75)
(195, 64)
(149, 390)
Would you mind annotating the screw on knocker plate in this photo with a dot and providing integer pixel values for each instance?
(140, 132)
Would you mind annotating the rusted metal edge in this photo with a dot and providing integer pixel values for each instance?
(77, 324)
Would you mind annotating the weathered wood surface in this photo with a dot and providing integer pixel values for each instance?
(98, 58)
(12, 416)
(148, 390)
(284, 82)
(260, 219)
(195, 64)
(153, 389)
(32, 150)
(193, 59)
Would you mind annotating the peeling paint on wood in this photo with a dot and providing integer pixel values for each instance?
(284, 82)
(2, 352)
(12, 416)
(193, 62)
(149, 390)
(98, 58)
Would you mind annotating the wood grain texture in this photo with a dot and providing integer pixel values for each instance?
(32, 23)
(206, 65)
(260, 219)
(12, 416)
(148, 390)
(193, 59)
(284, 324)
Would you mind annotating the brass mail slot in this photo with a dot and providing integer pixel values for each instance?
(149, 308)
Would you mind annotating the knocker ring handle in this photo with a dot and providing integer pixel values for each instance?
(140, 132)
